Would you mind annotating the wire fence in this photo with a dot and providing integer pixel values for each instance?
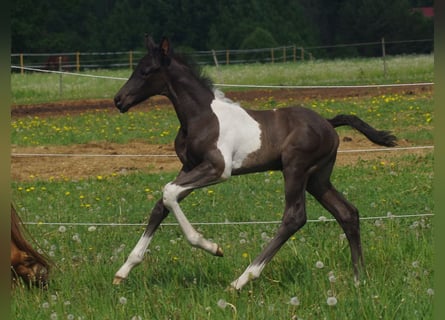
(321, 219)
(76, 61)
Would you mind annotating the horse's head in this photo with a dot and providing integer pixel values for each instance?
(148, 78)
(32, 270)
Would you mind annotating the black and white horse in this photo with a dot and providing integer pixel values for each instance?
(217, 138)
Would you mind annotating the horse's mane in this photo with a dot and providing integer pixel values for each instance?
(195, 68)
(21, 243)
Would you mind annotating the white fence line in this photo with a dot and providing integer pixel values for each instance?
(86, 155)
(244, 85)
(226, 223)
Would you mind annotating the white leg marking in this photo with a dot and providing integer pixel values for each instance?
(136, 256)
(251, 273)
(170, 198)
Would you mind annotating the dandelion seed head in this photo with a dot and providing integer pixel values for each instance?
(122, 300)
(319, 265)
(62, 229)
(430, 291)
(294, 301)
(92, 228)
(331, 301)
(222, 303)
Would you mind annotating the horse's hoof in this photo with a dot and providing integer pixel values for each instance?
(219, 252)
(117, 280)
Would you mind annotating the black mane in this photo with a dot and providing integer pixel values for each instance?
(195, 68)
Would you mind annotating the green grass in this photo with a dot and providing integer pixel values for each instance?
(410, 117)
(177, 281)
(400, 69)
(41, 87)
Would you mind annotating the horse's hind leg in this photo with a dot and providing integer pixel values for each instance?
(294, 218)
(136, 256)
(345, 213)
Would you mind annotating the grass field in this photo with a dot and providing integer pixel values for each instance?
(176, 281)
(42, 87)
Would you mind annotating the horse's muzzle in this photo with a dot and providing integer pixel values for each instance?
(120, 105)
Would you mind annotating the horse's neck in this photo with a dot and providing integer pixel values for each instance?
(191, 99)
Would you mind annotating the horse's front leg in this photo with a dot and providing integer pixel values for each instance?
(202, 175)
(136, 256)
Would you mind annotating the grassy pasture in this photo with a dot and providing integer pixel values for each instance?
(176, 281)
(34, 87)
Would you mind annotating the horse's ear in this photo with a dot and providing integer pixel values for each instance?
(149, 43)
(165, 46)
(166, 51)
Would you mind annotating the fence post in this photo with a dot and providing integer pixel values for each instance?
(227, 56)
(384, 57)
(271, 55)
(294, 53)
(215, 59)
(60, 75)
(131, 59)
(284, 54)
(77, 61)
(21, 64)
(302, 53)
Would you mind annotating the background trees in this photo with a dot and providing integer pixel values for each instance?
(113, 25)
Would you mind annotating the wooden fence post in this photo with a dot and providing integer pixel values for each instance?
(77, 61)
(294, 53)
(215, 59)
(284, 54)
(272, 55)
(302, 53)
(227, 56)
(131, 59)
(384, 57)
(60, 75)
(21, 64)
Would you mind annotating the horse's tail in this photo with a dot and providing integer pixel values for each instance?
(383, 138)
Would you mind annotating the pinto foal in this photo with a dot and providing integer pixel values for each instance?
(218, 138)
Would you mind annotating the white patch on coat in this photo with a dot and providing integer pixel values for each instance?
(239, 133)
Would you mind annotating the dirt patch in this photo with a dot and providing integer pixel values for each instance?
(298, 95)
(104, 159)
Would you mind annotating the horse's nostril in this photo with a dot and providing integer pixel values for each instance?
(117, 101)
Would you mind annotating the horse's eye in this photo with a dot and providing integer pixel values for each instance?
(145, 71)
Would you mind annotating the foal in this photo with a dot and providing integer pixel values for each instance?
(217, 139)
(26, 263)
